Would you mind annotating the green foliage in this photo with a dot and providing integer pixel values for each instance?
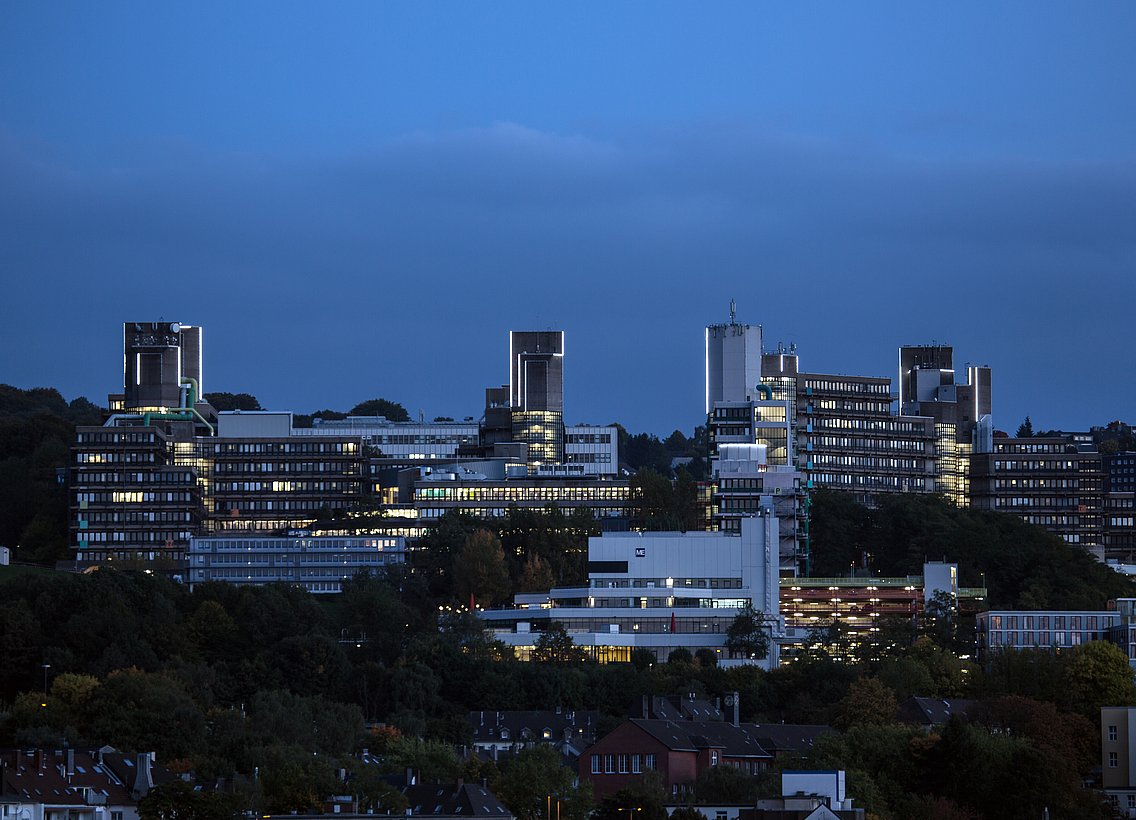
(725, 784)
(37, 428)
(232, 401)
(643, 800)
(748, 634)
(393, 411)
(868, 702)
(179, 800)
(1025, 429)
(536, 783)
(663, 505)
(433, 760)
(1024, 566)
(480, 572)
(555, 645)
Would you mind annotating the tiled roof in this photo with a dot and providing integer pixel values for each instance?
(454, 800)
(531, 725)
(41, 776)
(692, 735)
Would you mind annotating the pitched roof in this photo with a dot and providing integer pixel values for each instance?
(454, 800)
(692, 735)
(789, 737)
(577, 727)
(933, 711)
(41, 776)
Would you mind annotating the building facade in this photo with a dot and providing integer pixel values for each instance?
(1052, 482)
(319, 564)
(1118, 758)
(961, 412)
(657, 591)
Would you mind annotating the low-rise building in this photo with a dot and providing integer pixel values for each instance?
(657, 591)
(317, 563)
(1118, 757)
(39, 784)
(567, 730)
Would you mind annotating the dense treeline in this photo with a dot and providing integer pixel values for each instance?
(37, 429)
(237, 679)
(1022, 565)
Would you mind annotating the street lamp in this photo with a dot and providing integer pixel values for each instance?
(46, 666)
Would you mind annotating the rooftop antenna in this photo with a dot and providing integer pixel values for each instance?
(733, 312)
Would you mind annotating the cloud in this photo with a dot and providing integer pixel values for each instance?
(639, 237)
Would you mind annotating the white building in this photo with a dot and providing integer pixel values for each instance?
(658, 591)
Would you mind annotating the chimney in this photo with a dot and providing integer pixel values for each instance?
(410, 776)
(646, 707)
(70, 762)
(482, 723)
(736, 708)
(143, 782)
(40, 762)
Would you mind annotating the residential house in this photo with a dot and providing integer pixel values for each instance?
(37, 784)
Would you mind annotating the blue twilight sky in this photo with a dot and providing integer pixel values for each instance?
(361, 199)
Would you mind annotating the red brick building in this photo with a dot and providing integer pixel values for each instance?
(677, 750)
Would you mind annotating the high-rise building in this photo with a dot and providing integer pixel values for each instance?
(751, 438)
(961, 412)
(847, 437)
(536, 392)
(733, 362)
(160, 359)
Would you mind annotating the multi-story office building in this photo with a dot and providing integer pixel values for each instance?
(999, 630)
(847, 437)
(1051, 482)
(491, 493)
(405, 442)
(961, 412)
(130, 500)
(1120, 527)
(657, 591)
(592, 447)
(1120, 471)
(319, 564)
(751, 438)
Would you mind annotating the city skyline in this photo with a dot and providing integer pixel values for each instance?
(360, 201)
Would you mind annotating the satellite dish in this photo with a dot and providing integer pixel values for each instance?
(175, 327)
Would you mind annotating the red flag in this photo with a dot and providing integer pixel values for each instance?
(673, 622)
(471, 602)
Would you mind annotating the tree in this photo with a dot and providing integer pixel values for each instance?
(748, 635)
(1097, 674)
(1025, 429)
(536, 575)
(479, 569)
(179, 800)
(381, 407)
(643, 800)
(555, 645)
(680, 656)
(706, 658)
(725, 784)
(537, 779)
(232, 401)
(868, 702)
